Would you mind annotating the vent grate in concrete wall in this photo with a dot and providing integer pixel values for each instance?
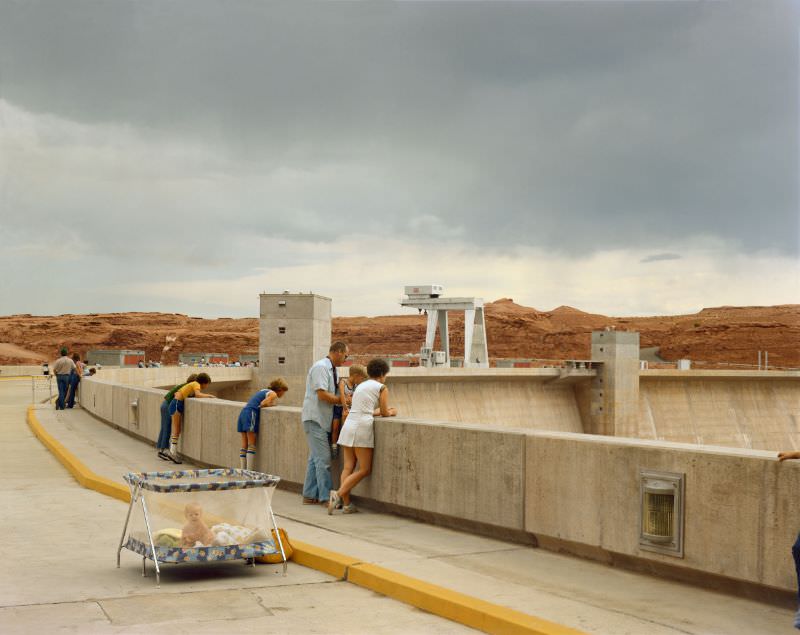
(661, 512)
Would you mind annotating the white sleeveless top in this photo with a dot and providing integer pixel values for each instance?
(357, 431)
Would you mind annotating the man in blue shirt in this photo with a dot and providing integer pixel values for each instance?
(322, 385)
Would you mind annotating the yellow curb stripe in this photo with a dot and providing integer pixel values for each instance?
(330, 562)
(454, 606)
(457, 607)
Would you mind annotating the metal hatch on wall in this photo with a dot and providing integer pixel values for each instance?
(661, 512)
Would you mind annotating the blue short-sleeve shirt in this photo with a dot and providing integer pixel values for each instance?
(255, 400)
(320, 375)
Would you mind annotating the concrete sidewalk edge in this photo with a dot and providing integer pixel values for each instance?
(458, 607)
(82, 474)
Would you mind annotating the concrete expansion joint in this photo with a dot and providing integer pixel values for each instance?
(458, 607)
(348, 568)
(470, 553)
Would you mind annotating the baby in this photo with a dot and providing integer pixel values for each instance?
(195, 530)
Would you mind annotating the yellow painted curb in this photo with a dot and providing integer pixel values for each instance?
(458, 607)
(82, 474)
(330, 562)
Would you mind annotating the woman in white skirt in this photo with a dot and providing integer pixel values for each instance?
(371, 398)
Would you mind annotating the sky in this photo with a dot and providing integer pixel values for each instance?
(625, 158)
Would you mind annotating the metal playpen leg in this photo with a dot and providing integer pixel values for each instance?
(152, 545)
(278, 535)
(134, 496)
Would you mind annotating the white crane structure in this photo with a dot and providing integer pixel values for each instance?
(428, 298)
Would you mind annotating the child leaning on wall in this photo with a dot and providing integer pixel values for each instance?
(162, 444)
(176, 408)
(250, 419)
(356, 375)
(370, 399)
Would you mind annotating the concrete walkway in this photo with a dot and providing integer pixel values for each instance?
(77, 587)
(59, 556)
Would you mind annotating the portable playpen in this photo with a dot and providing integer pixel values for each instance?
(201, 516)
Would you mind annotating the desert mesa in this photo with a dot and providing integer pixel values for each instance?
(716, 337)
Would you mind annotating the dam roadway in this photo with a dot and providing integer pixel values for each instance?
(73, 585)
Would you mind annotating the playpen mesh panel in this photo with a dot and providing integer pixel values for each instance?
(201, 515)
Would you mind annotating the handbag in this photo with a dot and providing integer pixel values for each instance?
(277, 558)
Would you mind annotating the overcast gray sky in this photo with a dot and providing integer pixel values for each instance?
(619, 157)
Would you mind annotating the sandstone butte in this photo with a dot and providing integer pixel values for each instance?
(713, 338)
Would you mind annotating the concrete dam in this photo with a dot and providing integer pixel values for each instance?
(577, 459)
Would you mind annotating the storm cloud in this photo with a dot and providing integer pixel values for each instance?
(231, 141)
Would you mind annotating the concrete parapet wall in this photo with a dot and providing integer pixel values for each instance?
(164, 376)
(740, 516)
(570, 491)
(459, 471)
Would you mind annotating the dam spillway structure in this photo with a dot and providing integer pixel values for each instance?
(428, 298)
(631, 465)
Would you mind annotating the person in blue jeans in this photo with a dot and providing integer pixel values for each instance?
(62, 368)
(162, 445)
(74, 380)
(783, 456)
(322, 385)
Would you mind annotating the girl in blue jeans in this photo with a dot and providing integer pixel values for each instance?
(162, 445)
(176, 408)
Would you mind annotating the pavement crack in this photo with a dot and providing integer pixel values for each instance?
(102, 608)
(260, 601)
(443, 556)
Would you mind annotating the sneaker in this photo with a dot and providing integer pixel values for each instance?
(175, 458)
(309, 501)
(163, 455)
(349, 509)
(797, 619)
(333, 501)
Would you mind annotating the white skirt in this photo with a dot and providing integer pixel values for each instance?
(357, 433)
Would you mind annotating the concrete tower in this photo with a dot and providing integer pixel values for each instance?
(294, 332)
(615, 389)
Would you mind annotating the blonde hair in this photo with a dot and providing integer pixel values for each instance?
(279, 383)
(358, 370)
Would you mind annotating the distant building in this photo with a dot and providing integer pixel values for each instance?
(192, 359)
(115, 357)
